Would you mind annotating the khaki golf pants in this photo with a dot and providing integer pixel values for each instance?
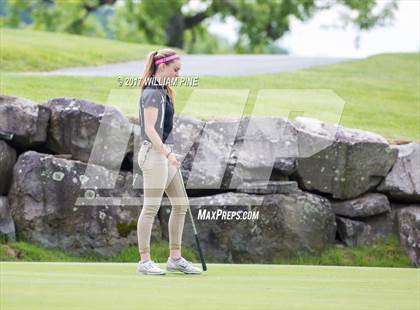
(160, 176)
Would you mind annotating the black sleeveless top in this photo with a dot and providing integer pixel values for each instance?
(156, 96)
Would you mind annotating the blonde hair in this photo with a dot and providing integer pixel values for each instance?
(151, 68)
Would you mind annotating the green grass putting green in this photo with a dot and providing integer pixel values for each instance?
(381, 93)
(117, 286)
(28, 50)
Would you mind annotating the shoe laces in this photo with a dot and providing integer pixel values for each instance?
(185, 263)
(149, 264)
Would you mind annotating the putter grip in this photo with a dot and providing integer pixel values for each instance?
(203, 262)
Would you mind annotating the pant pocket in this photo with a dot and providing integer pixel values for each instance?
(142, 155)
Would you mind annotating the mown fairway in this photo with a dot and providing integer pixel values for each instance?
(45, 286)
(28, 50)
(380, 93)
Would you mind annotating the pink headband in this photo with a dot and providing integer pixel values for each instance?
(165, 59)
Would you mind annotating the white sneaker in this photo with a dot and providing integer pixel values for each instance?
(149, 267)
(182, 265)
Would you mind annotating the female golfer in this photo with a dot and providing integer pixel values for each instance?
(159, 164)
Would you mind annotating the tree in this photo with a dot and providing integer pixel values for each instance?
(262, 22)
(52, 15)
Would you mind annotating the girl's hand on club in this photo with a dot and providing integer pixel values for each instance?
(172, 159)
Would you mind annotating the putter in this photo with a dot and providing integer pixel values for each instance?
(197, 241)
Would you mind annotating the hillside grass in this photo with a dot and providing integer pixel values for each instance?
(27, 50)
(24, 251)
(387, 253)
(381, 93)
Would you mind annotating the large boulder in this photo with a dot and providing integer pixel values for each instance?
(351, 232)
(7, 225)
(231, 152)
(363, 206)
(295, 223)
(366, 231)
(271, 187)
(60, 203)
(265, 148)
(409, 227)
(23, 121)
(403, 181)
(340, 161)
(7, 160)
(88, 131)
(212, 154)
(186, 134)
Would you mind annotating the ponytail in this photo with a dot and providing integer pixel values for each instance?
(150, 69)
